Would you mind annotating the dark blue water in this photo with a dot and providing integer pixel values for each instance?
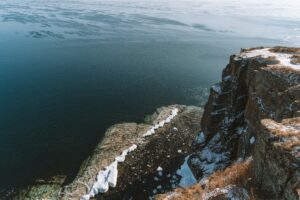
(70, 70)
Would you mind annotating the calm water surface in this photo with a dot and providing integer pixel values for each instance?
(71, 68)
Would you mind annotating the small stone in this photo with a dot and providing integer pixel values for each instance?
(252, 140)
(159, 168)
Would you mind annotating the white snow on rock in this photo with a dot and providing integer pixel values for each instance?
(160, 124)
(283, 58)
(210, 160)
(284, 128)
(241, 130)
(200, 138)
(187, 176)
(231, 192)
(252, 140)
(108, 176)
(159, 168)
(217, 88)
(227, 78)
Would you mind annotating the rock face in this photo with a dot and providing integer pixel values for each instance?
(148, 169)
(253, 112)
(165, 149)
(249, 146)
(43, 189)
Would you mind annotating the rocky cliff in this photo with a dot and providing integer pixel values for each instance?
(249, 145)
(133, 161)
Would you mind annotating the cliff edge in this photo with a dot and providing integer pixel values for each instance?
(246, 147)
(249, 145)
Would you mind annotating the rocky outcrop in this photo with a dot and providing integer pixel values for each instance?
(161, 145)
(42, 189)
(248, 145)
(253, 112)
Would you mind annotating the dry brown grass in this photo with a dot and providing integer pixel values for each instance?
(271, 60)
(237, 174)
(287, 129)
(289, 145)
(284, 70)
(280, 49)
(295, 59)
(194, 192)
(251, 49)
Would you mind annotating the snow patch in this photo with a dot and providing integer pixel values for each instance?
(231, 192)
(210, 158)
(283, 58)
(108, 176)
(227, 78)
(252, 140)
(159, 168)
(241, 130)
(160, 124)
(200, 138)
(217, 88)
(187, 176)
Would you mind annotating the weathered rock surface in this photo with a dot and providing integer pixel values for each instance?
(43, 189)
(249, 146)
(138, 175)
(253, 112)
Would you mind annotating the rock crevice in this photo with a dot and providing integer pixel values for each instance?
(253, 112)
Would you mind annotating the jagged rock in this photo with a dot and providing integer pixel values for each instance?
(254, 111)
(138, 176)
(277, 159)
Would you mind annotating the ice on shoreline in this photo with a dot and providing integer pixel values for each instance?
(108, 177)
(160, 124)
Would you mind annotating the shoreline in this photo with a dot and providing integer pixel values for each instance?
(118, 138)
